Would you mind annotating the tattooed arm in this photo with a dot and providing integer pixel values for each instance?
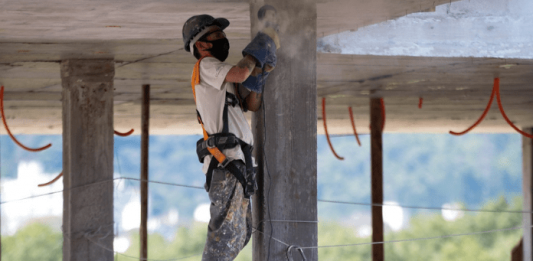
(253, 101)
(250, 99)
(242, 70)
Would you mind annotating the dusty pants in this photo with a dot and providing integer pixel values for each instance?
(230, 227)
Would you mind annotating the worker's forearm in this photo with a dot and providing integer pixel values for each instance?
(242, 70)
(253, 101)
(247, 62)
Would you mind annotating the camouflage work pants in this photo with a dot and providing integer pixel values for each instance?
(230, 227)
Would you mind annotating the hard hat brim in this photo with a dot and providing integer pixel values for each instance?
(223, 23)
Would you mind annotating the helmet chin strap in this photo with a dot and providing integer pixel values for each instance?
(198, 36)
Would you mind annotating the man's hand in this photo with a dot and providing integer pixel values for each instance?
(242, 70)
(253, 101)
(263, 49)
(258, 71)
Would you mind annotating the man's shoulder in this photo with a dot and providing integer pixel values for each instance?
(213, 71)
(212, 61)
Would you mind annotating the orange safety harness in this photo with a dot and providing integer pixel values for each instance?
(221, 158)
(214, 143)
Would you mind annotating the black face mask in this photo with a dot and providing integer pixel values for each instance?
(220, 49)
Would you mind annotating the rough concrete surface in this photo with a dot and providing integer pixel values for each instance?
(88, 159)
(288, 167)
(474, 28)
(145, 41)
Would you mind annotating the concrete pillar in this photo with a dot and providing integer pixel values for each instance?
(288, 178)
(527, 188)
(87, 159)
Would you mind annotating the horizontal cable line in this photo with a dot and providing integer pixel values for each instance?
(423, 238)
(401, 240)
(289, 221)
(429, 208)
(96, 183)
(268, 235)
(56, 192)
(319, 200)
(164, 183)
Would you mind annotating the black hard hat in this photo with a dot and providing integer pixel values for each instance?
(197, 23)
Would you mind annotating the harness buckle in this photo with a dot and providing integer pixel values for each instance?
(210, 142)
(224, 163)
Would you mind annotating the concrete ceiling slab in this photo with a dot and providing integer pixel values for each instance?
(347, 15)
(455, 91)
(145, 41)
(163, 19)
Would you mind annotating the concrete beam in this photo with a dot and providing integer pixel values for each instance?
(87, 159)
(527, 179)
(288, 172)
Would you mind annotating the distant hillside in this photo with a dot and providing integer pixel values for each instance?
(422, 169)
(419, 169)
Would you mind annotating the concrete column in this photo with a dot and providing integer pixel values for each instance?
(527, 188)
(87, 159)
(288, 178)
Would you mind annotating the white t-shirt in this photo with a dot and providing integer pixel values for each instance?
(210, 99)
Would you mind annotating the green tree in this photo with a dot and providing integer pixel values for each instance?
(188, 241)
(39, 242)
(487, 247)
(494, 246)
(35, 242)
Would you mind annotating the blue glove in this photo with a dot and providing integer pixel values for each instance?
(263, 49)
(256, 83)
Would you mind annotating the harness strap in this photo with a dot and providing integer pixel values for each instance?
(221, 158)
(216, 142)
(220, 140)
(233, 169)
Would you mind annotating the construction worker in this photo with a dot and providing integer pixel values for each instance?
(223, 92)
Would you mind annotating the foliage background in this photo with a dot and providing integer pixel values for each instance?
(39, 242)
(477, 170)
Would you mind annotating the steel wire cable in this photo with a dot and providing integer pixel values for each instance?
(319, 200)
(427, 208)
(422, 238)
(96, 183)
(86, 235)
(404, 240)
(307, 221)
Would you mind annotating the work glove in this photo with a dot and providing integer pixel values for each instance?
(263, 48)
